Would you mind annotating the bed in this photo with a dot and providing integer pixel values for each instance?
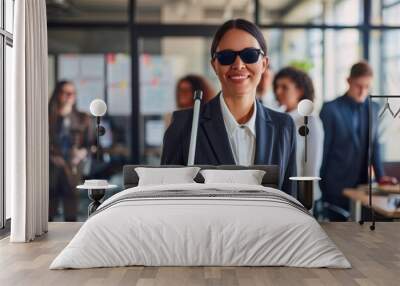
(198, 224)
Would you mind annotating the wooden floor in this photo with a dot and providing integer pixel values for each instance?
(375, 257)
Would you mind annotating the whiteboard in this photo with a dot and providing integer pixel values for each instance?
(157, 84)
(86, 72)
(119, 84)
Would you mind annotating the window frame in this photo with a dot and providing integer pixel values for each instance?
(6, 39)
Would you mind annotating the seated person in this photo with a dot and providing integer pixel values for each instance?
(234, 127)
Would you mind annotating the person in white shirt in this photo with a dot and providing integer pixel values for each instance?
(291, 85)
(242, 137)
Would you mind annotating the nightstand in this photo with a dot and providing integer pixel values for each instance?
(305, 187)
(96, 193)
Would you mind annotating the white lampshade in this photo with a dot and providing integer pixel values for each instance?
(98, 107)
(305, 107)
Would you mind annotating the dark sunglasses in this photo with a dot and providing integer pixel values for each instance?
(248, 56)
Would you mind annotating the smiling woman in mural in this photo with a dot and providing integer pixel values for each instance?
(195, 223)
(234, 127)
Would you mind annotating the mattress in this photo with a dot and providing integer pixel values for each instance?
(201, 225)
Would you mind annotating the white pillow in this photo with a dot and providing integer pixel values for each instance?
(165, 176)
(248, 177)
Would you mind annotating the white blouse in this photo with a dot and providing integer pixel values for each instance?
(242, 137)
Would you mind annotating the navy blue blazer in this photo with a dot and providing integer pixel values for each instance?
(345, 158)
(275, 140)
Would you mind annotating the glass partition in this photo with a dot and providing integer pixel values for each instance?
(385, 58)
(326, 55)
(323, 37)
(95, 64)
(330, 12)
(385, 12)
(163, 62)
(88, 11)
(193, 12)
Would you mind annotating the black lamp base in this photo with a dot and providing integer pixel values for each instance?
(305, 190)
(96, 195)
(305, 193)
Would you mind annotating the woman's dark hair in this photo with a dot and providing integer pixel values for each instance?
(54, 99)
(198, 83)
(300, 79)
(54, 104)
(240, 24)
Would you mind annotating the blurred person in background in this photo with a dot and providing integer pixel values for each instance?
(264, 90)
(70, 138)
(186, 87)
(345, 158)
(291, 85)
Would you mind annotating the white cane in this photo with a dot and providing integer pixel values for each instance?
(198, 94)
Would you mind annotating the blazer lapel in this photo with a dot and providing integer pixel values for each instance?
(214, 128)
(264, 136)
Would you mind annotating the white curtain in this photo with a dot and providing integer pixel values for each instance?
(27, 122)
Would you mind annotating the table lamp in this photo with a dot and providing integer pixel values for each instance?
(98, 108)
(305, 108)
(305, 184)
(97, 188)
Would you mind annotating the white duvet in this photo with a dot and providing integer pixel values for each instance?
(185, 231)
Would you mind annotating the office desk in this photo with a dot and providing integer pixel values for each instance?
(359, 197)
